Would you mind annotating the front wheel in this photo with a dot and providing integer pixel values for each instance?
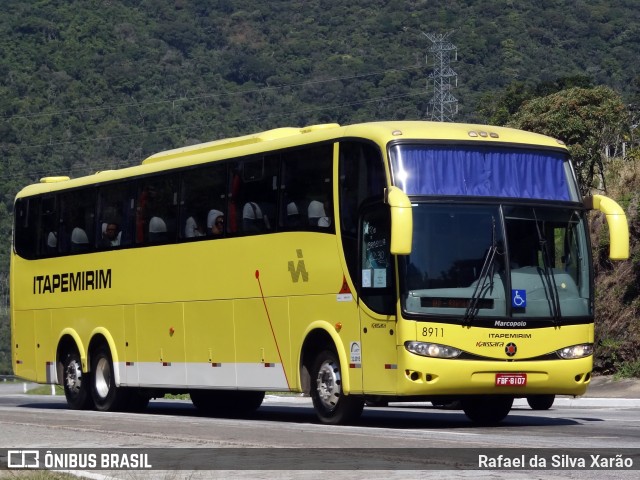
(487, 409)
(330, 403)
(541, 402)
(76, 383)
(106, 396)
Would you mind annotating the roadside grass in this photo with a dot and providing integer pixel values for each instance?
(628, 370)
(45, 390)
(36, 475)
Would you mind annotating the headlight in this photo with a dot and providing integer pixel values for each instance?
(576, 351)
(432, 350)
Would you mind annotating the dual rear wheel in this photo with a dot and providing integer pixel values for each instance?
(75, 382)
(97, 389)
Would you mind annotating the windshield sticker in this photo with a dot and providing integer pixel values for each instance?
(519, 298)
(379, 278)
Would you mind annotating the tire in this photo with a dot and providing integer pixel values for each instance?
(487, 409)
(75, 382)
(106, 396)
(226, 402)
(137, 400)
(331, 406)
(541, 402)
(246, 402)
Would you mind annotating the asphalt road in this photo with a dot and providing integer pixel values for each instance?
(421, 435)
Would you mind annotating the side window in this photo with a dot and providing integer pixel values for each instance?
(203, 202)
(49, 229)
(306, 196)
(157, 208)
(37, 227)
(253, 195)
(28, 236)
(362, 176)
(77, 229)
(116, 215)
(377, 284)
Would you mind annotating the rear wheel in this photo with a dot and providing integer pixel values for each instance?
(487, 409)
(541, 402)
(106, 396)
(329, 401)
(76, 383)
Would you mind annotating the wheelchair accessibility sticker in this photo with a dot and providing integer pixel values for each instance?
(518, 298)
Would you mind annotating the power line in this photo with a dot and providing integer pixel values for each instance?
(123, 163)
(182, 127)
(202, 96)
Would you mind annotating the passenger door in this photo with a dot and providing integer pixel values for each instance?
(377, 300)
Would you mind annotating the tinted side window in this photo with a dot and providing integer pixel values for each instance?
(49, 226)
(28, 236)
(157, 209)
(116, 215)
(307, 189)
(77, 229)
(203, 202)
(253, 195)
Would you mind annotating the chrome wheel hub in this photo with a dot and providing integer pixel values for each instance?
(73, 377)
(329, 385)
(102, 377)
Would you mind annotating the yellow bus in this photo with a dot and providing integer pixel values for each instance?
(381, 261)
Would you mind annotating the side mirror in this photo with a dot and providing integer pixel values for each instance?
(617, 222)
(401, 221)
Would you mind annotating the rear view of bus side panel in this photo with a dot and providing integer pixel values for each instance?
(22, 345)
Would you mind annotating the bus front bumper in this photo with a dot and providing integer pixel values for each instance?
(423, 376)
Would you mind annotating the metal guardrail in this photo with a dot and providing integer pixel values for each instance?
(8, 378)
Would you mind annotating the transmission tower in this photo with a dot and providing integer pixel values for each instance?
(443, 105)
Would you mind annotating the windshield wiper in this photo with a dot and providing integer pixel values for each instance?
(486, 274)
(551, 287)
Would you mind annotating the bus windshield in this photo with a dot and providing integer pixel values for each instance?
(473, 261)
(482, 171)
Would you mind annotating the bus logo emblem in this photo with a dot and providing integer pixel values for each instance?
(510, 349)
(299, 269)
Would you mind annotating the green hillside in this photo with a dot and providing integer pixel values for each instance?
(96, 84)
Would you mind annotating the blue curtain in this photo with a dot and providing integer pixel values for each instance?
(473, 171)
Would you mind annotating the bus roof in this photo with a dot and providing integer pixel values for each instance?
(286, 137)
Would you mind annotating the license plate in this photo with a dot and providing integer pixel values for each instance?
(511, 379)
